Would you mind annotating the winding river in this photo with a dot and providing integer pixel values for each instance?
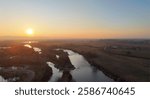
(83, 71)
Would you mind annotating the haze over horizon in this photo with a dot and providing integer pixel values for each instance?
(67, 19)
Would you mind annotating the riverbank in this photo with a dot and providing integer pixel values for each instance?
(119, 67)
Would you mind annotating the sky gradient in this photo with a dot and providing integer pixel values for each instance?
(76, 18)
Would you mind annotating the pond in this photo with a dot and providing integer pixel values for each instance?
(36, 49)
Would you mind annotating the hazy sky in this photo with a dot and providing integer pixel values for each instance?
(76, 18)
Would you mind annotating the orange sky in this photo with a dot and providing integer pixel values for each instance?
(75, 19)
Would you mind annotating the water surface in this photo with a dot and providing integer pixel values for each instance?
(2, 79)
(56, 72)
(84, 71)
(36, 49)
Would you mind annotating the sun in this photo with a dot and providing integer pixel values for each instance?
(29, 31)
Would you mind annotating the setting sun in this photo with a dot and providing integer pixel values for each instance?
(29, 31)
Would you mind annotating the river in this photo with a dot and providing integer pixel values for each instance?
(83, 72)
